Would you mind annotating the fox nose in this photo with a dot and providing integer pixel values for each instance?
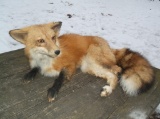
(57, 52)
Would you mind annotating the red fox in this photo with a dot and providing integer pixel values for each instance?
(60, 56)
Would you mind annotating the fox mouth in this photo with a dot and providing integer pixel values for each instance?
(47, 55)
(44, 52)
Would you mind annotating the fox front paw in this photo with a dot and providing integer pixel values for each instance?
(106, 90)
(30, 75)
(52, 94)
(27, 78)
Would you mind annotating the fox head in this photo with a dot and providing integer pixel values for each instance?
(39, 39)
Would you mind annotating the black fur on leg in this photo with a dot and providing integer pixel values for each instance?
(53, 91)
(30, 75)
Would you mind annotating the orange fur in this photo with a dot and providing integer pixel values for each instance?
(74, 47)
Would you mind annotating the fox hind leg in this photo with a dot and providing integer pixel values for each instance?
(101, 62)
(90, 66)
(111, 82)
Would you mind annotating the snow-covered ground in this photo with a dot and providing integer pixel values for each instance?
(123, 23)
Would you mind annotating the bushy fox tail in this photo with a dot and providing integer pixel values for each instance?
(137, 73)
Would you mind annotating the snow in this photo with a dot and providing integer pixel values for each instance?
(138, 114)
(123, 23)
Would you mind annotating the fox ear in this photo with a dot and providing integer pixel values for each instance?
(18, 35)
(56, 26)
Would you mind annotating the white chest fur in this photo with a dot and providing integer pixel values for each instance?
(45, 63)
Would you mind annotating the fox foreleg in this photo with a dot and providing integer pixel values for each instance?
(30, 75)
(53, 91)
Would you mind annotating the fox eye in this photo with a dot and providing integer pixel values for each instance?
(41, 41)
(53, 38)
